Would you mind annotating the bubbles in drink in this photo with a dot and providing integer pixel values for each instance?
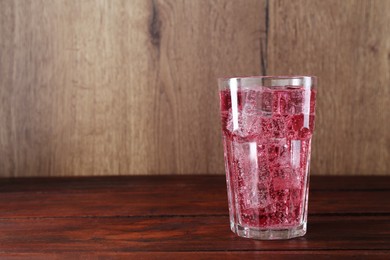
(270, 145)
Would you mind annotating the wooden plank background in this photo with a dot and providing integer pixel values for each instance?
(129, 87)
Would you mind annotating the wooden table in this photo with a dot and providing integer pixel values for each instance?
(181, 217)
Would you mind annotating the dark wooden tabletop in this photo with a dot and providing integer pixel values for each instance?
(181, 217)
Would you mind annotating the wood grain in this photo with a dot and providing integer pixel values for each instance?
(165, 196)
(182, 234)
(346, 44)
(127, 217)
(212, 182)
(199, 41)
(119, 87)
(230, 255)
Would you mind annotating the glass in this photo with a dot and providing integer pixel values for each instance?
(267, 126)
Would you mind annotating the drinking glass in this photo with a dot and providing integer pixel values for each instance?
(267, 127)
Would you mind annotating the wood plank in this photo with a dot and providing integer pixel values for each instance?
(162, 196)
(349, 183)
(208, 182)
(174, 203)
(238, 255)
(200, 41)
(347, 44)
(182, 234)
(144, 217)
(119, 87)
(111, 182)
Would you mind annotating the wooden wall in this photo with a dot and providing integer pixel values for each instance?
(129, 87)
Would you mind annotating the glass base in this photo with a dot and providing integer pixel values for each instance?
(268, 234)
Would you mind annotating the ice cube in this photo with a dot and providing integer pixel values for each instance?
(273, 152)
(284, 156)
(246, 159)
(263, 172)
(278, 152)
(266, 100)
(250, 117)
(295, 101)
(250, 101)
(297, 122)
(283, 101)
(225, 100)
(283, 173)
(312, 101)
(282, 178)
(279, 126)
(291, 133)
(263, 197)
(250, 197)
(296, 154)
(304, 153)
(296, 179)
(248, 124)
(266, 127)
(296, 197)
(282, 195)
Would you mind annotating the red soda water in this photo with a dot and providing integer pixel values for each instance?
(266, 134)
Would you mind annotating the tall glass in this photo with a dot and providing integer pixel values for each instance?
(267, 125)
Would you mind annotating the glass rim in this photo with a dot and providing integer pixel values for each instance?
(269, 77)
(307, 80)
